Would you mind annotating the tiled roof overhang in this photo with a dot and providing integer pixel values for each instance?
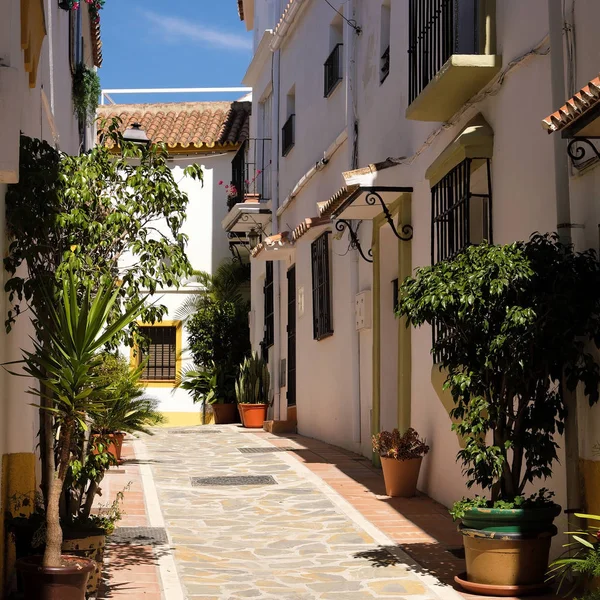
(577, 111)
(275, 247)
(96, 43)
(307, 225)
(330, 206)
(241, 9)
(185, 126)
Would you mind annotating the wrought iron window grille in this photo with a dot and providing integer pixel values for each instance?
(332, 70)
(291, 335)
(385, 65)
(160, 353)
(321, 287)
(288, 135)
(437, 30)
(269, 308)
(251, 171)
(459, 217)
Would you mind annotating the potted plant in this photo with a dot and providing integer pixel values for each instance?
(253, 391)
(514, 323)
(76, 326)
(213, 386)
(579, 566)
(401, 458)
(126, 409)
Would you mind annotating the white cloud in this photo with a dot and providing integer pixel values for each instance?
(175, 29)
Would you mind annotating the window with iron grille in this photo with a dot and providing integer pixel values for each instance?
(461, 215)
(160, 352)
(385, 65)
(437, 30)
(321, 288)
(269, 337)
(333, 70)
(288, 135)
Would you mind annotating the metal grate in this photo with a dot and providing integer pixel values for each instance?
(233, 480)
(321, 288)
(139, 536)
(332, 70)
(202, 431)
(250, 171)
(160, 353)
(266, 450)
(269, 308)
(385, 65)
(437, 30)
(288, 135)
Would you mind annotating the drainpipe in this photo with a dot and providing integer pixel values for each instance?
(277, 409)
(564, 226)
(351, 120)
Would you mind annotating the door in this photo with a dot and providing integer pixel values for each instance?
(291, 333)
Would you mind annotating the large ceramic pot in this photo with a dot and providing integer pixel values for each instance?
(115, 444)
(401, 476)
(253, 415)
(506, 550)
(88, 545)
(66, 582)
(224, 413)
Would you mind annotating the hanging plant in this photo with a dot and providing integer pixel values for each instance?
(86, 91)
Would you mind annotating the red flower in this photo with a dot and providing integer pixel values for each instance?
(221, 182)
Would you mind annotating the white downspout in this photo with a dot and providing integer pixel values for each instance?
(563, 218)
(351, 119)
(280, 412)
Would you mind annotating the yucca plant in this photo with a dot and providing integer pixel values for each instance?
(76, 326)
(253, 385)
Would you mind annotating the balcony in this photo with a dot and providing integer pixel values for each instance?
(251, 173)
(450, 55)
(332, 71)
(288, 135)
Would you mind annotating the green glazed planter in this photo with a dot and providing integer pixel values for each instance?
(511, 520)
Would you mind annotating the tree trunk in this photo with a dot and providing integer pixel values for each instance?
(89, 498)
(54, 536)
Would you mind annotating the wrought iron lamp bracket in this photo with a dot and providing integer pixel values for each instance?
(343, 224)
(407, 230)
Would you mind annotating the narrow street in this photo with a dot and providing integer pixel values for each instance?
(246, 516)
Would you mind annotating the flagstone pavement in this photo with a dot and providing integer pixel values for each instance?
(294, 538)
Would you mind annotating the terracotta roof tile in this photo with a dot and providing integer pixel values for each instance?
(241, 9)
(587, 98)
(182, 125)
(279, 240)
(307, 225)
(96, 43)
(329, 206)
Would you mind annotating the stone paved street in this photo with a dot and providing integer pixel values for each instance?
(296, 539)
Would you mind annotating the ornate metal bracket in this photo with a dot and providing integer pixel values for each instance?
(578, 153)
(341, 225)
(407, 230)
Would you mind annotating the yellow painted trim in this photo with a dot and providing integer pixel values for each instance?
(404, 332)
(134, 354)
(476, 140)
(186, 419)
(18, 479)
(33, 32)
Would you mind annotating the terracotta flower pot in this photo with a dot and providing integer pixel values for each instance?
(401, 476)
(66, 582)
(88, 545)
(224, 413)
(253, 415)
(115, 444)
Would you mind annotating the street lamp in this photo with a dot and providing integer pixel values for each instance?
(136, 135)
(253, 238)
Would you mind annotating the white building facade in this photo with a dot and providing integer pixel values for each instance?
(375, 97)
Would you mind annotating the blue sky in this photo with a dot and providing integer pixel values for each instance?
(173, 43)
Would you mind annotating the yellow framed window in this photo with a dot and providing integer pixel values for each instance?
(162, 353)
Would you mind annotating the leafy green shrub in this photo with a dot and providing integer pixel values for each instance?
(86, 92)
(401, 447)
(516, 322)
(253, 385)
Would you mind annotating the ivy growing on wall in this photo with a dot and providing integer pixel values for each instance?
(86, 93)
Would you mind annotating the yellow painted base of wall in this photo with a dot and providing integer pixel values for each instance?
(18, 481)
(185, 419)
(590, 474)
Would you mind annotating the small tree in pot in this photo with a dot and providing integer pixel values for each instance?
(63, 362)
(253, 391)
(401, 457)
(515, 322)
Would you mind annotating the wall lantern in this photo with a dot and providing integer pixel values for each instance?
(136, 135)
(253, 238)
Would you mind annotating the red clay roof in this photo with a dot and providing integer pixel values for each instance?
(186, 125)
(241, 9)
(96, 42)
(584, 100)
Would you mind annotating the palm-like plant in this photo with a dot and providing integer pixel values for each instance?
(253, 385)
(78, 324)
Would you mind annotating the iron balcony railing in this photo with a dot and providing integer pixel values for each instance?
(385, 65)
(332, 70)
(251, 172)
(288, 135)
(437, 30)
